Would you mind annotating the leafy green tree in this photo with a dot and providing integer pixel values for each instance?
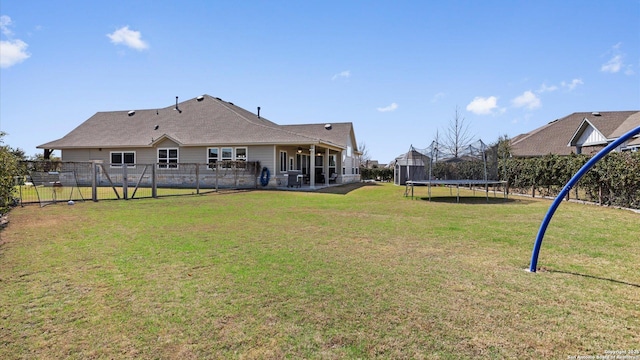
(9, 164)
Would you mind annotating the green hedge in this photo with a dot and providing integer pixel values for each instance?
(378, 174)
(8, 169)
(614, 180)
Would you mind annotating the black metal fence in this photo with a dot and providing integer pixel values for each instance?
(46, 182)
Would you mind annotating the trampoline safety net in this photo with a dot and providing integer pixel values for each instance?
(475, 164)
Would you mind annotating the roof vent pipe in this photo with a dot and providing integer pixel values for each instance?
(258, 112)
(177, 109)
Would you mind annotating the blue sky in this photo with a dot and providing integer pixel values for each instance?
(396, 69)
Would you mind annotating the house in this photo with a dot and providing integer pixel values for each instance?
(208, 130)
(578, 133)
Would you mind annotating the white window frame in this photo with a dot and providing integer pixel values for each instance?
(122, 155)
(239, 158)
(226, 158)
(209, 157)
(168, 164)
(283, 161)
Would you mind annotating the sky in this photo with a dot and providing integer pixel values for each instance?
(398, 70)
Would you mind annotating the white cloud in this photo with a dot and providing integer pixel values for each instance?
(5, 21)
(528, 100)
(545, 88)
(344, 74)
(613, 65)
(11, 51)
(572, 85)
(437, 97)
(483, 106)
(391, 107)
(616, 63)
(130, 38)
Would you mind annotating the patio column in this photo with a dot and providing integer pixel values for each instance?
(312, 167)
(325, 166)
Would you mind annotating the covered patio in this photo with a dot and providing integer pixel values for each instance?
(313, 166)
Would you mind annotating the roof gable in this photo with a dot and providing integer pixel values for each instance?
(586, 135)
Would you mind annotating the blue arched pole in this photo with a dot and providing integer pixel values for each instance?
(565, 190)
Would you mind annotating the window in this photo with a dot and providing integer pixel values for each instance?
(292, 163)
(283, 161)
(332, 164)
(241, 156)
(227, 155)
(303, 163)
(212, 157)
(118, 158)
(168, 158)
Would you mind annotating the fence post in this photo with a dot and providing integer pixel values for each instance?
(125, 185)
(94, 181)
(197, 178)
(217, 173)
(154, 183)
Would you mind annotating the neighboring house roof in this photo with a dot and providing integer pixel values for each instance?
(631, 123)
(555, 137)
(200, 121)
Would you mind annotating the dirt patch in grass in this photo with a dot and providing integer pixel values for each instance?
(344, 189)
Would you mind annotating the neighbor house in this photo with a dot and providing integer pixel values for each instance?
(578, 133)
(207, 130)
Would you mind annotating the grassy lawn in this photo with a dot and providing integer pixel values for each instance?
(366, 274)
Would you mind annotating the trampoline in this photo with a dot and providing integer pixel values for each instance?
(473, 165)
(470, 183)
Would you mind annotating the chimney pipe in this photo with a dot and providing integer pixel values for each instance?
(179, 111)
(258, 112)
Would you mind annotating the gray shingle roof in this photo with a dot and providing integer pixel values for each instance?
(336, 135)
(554, 137)
(206, 121)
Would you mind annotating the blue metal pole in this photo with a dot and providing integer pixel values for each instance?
(565, 190)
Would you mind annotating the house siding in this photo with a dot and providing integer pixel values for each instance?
(590, 137)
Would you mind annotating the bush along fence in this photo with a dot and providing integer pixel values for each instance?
(614, 180)
(378, 174)
(46, 182)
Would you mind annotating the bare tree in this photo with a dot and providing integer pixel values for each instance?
(457, 136)
(364, 154)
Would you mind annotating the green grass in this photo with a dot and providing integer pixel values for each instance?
(366, 274)
(48, 194)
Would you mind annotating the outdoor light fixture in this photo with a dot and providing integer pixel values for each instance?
(299, 149)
